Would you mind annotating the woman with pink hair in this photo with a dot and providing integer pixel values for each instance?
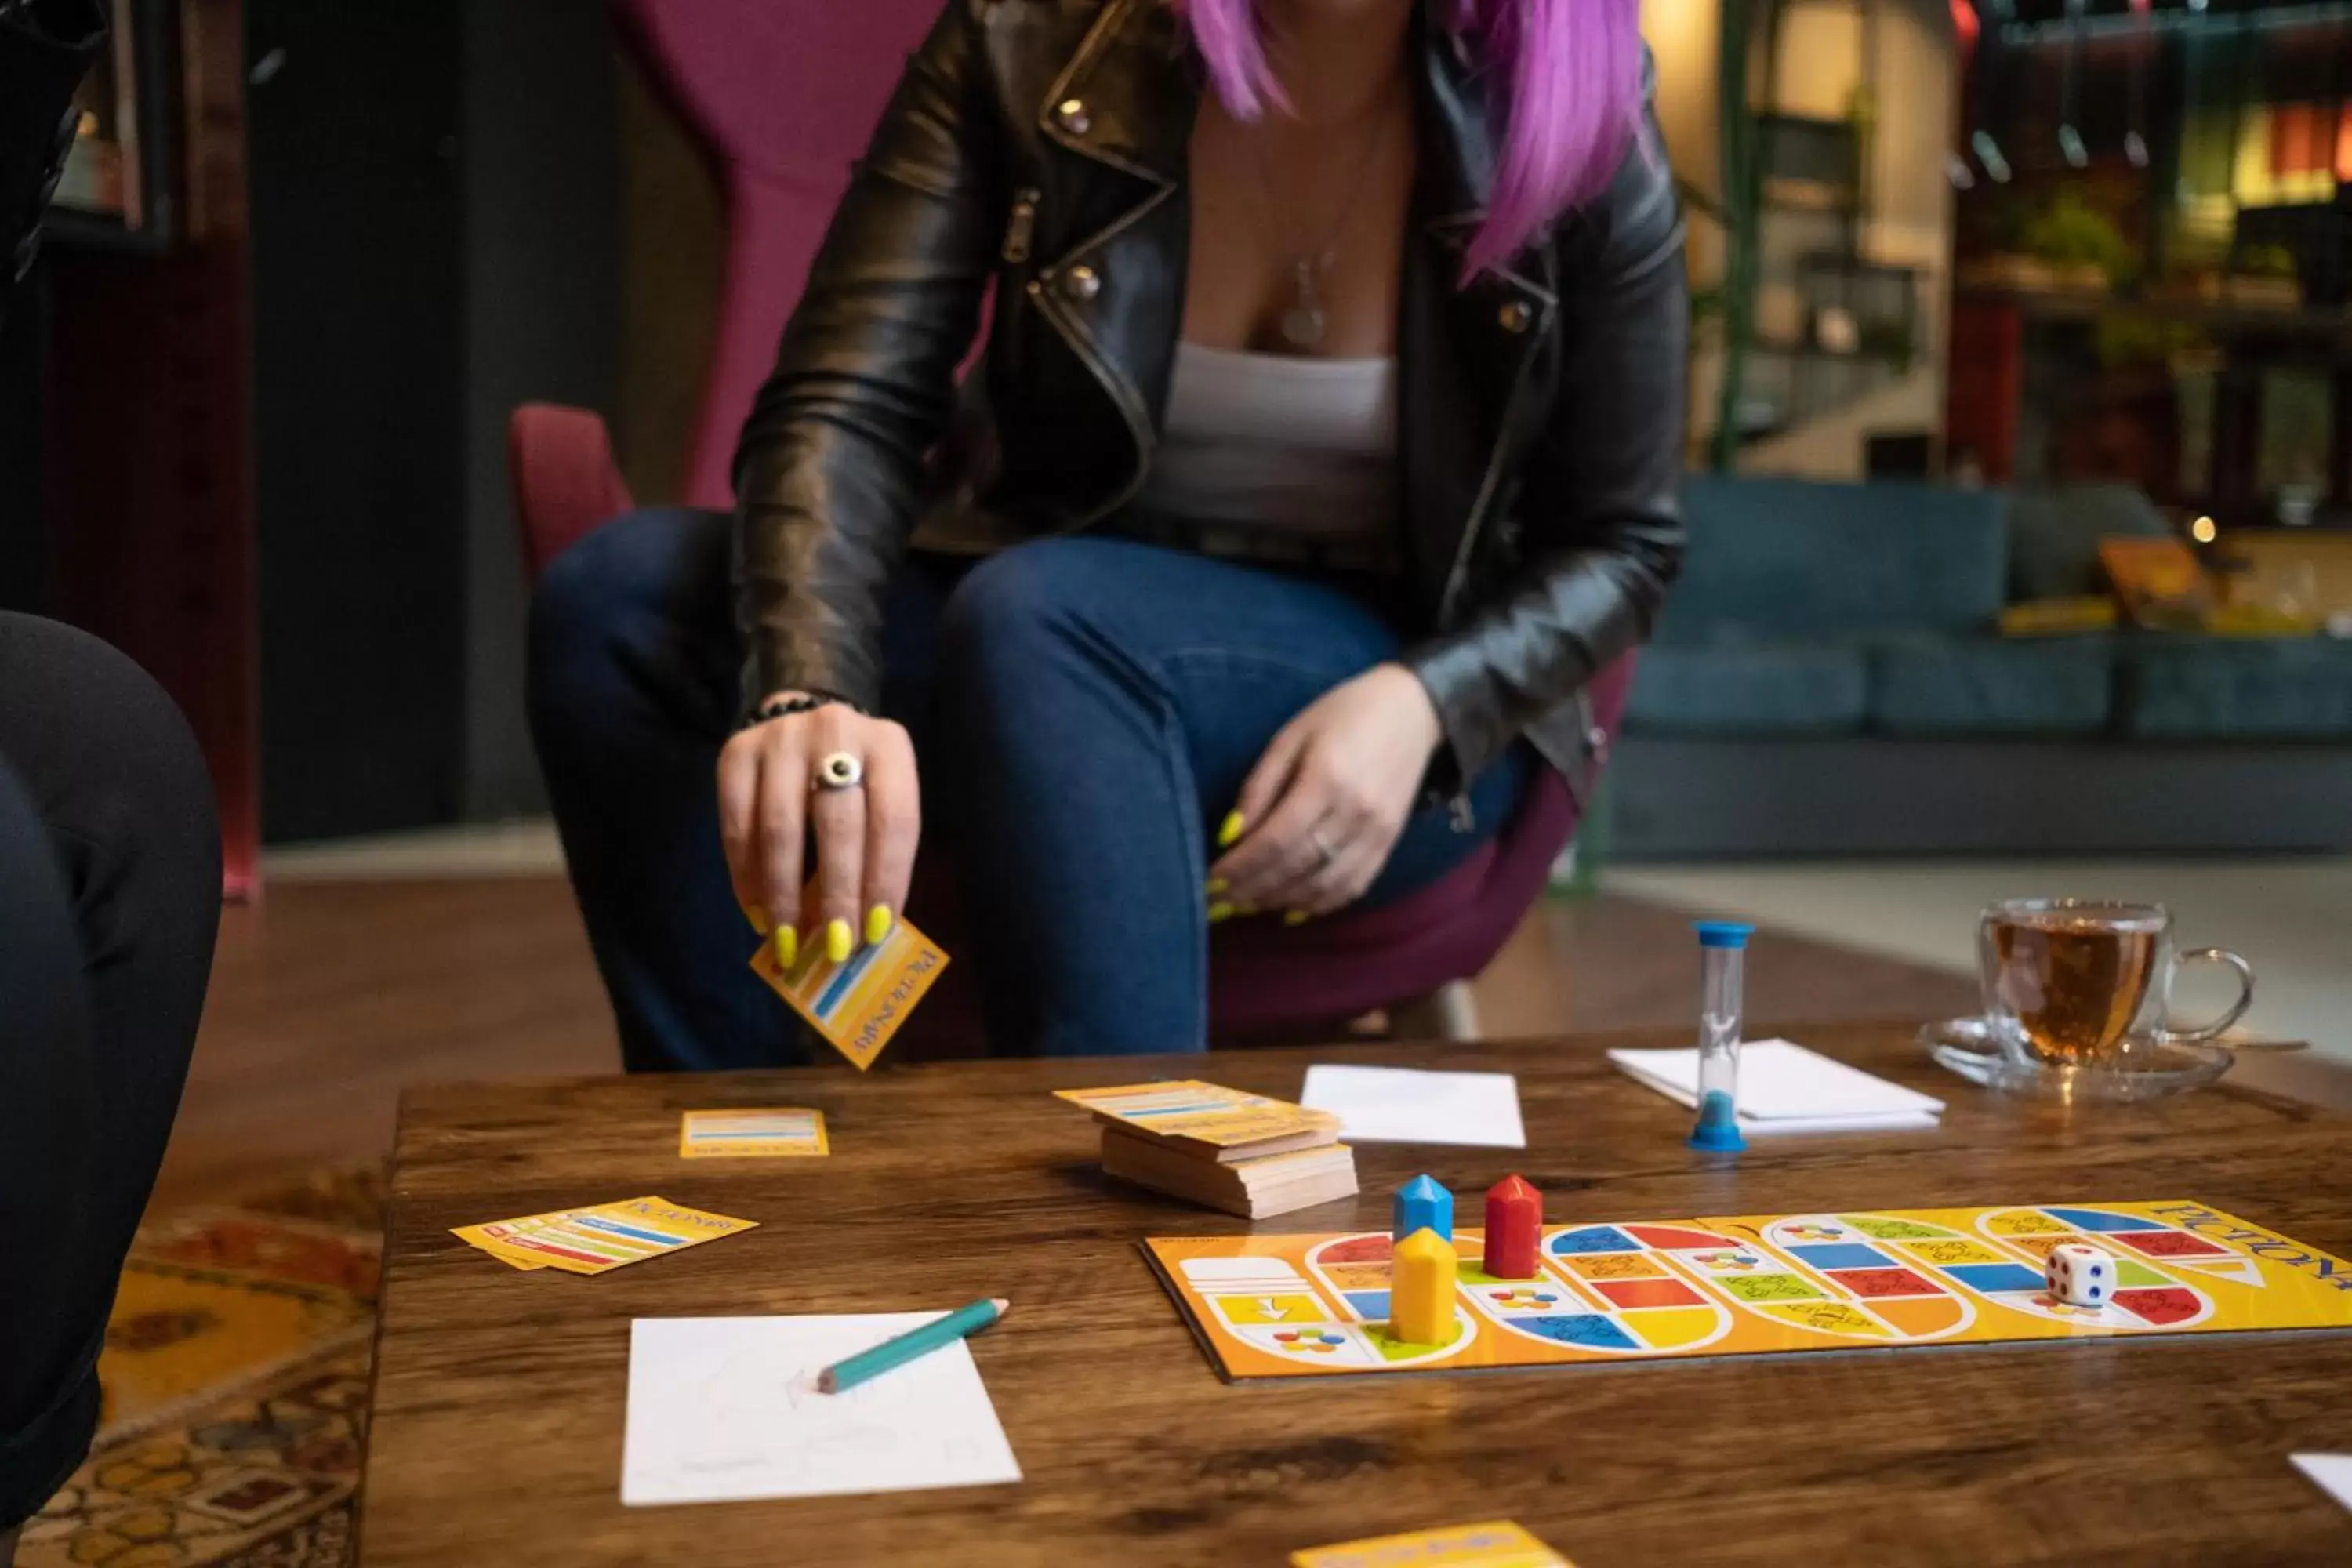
(1324, 450)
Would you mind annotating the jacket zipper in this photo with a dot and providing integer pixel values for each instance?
(1019, 236)
(1021, 227)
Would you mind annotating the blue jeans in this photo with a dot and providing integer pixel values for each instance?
(1084, 712)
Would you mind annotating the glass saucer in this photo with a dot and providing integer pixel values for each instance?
(2143, 1069)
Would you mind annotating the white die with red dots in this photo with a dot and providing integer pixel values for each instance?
(2079, 1276)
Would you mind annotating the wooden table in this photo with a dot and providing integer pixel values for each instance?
(496, 1430)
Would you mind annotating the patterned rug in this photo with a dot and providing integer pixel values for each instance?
(236, 1378)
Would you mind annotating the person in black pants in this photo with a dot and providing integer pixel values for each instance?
(109, 897)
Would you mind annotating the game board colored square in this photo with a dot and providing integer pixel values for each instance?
(1357, 1250)
(2022, 1222)
(1588, 1329)
(1391, 1348)
(1591, 1238)
(1957, 1251)
(1672, 1328)
(1829, 1317)
(2129, 1273)
(1920, 1317)
(2040, 1245)
(1674, 1238)
(2169, 1244)
(2098, 1219)
(1893, 1229)
(1768, 1287)
(1357, 1276)
(1989, 1279)
(1613, 1266)
(2161, 1308)
(1884, 1282)
(1270, 1308)
(1841, 1255)
(1371, 1306)
(1648, 1292)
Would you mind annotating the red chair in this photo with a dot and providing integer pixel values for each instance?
(783, 95)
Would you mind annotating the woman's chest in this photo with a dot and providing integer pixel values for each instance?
(1295, 240)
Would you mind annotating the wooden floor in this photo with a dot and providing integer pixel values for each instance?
(328, 998)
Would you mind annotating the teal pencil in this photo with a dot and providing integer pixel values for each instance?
(845, 1375)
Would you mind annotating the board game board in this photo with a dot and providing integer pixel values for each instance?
(1278, 1306)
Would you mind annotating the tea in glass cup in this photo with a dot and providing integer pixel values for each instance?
(2073, 983)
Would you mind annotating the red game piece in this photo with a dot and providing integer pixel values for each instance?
(1514, 1229)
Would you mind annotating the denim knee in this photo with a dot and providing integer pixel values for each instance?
(611, 586)
(1005, 607)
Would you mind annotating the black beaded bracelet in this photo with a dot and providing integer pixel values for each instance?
(784, 707)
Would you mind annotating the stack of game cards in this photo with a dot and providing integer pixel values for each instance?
(1244, 1153)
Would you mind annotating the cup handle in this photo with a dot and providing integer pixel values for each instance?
(2237, 1009)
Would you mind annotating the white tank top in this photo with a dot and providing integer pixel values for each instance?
(1280, 455)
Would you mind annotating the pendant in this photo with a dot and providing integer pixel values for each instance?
(1302, 324)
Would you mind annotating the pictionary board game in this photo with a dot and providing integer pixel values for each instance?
(1280, 1306)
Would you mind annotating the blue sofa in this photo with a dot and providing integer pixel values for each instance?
(1828, 678)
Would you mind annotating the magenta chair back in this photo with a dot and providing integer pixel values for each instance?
(783, 94)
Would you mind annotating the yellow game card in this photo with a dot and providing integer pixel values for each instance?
(1498, 1544)
(766, 1134)
(529, 1222)
(608, 1237)
(859, 1005)
(1188, 1111)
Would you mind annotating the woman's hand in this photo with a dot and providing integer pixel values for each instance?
(866, 837)
(1323, 807)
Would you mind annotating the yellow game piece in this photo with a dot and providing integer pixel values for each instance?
(1421, 1290)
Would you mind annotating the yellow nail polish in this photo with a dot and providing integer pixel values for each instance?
(1230, 834)
(1297, 918)
(1214, 886)
(1219, 913)
(788, 947)
(837, 941)
(878, 924)
(758, 915)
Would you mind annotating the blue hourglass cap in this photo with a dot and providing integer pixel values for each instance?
(1724, 933)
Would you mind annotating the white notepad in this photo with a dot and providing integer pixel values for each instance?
(2332, 1473)
(723, 1409)
(1784, 1088)
(1404, 1105)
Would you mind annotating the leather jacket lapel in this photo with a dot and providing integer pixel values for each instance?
(1464, 352)
(1115, 132)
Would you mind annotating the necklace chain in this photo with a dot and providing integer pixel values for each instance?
(1303, 322)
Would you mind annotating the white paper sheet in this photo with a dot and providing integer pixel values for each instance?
(2332, 1472)
(722, 1409)
(1403, 1105)
(1784, 1088)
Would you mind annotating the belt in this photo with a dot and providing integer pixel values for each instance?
(1262, 546)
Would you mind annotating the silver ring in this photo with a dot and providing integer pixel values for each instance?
(839, 770)
(1324, 853)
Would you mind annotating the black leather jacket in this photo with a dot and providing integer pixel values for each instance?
(1040, 146)
(45, 47)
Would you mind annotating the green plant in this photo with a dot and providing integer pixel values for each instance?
(2265, 261)
(2068, 233)
(2126, 339)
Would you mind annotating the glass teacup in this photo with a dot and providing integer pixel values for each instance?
(2076, 982)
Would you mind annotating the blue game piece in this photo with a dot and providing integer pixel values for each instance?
(1422, 1204)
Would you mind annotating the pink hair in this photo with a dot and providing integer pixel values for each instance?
(1569, 101)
